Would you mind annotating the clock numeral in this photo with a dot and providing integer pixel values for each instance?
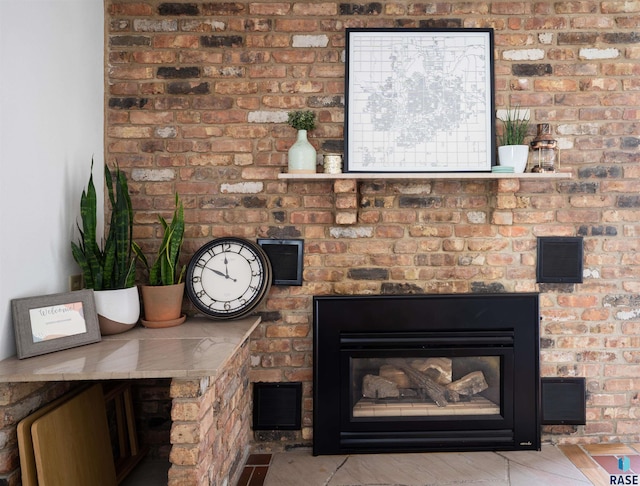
(227, 306)
(201, 293)
(201, 263)
(196, 279)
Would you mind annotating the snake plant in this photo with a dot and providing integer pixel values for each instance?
(166, 270)
(113, 266)
(514, 127)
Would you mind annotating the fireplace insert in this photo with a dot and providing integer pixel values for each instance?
(426, 373)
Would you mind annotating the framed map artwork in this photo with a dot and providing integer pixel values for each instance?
(419, 100)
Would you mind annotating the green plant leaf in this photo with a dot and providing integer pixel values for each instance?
(514, 127)
(112, 267)
(164, 269)
(302, 120)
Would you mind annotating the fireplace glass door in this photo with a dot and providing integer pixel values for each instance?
(444, 379)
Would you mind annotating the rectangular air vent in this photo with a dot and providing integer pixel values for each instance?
(563, 401)
(559, 260)
(286, 260)
(277, 406)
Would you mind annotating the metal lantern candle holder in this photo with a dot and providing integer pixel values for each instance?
(545, 150)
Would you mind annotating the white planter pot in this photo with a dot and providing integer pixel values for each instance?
(118, 310)
(302, 156)
(515, 156)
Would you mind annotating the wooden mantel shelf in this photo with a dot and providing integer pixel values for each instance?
(421, 176)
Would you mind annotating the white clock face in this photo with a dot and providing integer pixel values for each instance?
(228, 277)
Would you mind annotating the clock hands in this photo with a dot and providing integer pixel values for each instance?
(226, 267)
(220, 273)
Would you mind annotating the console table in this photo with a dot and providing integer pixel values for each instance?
(204, 359)
(199, 347)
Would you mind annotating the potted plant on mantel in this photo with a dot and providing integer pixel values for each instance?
(109, 271)
(162, 297)
(302, 155)
(513, 152)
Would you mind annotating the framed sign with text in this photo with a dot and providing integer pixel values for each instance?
(419, 100)
(54, 322)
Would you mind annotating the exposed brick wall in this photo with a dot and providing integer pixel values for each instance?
(152, 403)
(197, 95)
(17, 401)
(211, 424)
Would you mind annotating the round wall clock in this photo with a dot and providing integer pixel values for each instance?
(228, 277)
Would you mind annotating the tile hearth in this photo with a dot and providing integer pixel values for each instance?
(549, 467)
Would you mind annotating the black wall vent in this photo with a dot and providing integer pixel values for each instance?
(563, 401)
(286, 257)
(277, 406)
(559, 260)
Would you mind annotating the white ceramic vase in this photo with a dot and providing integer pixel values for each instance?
(302, 156)
(515, 156)
(118, 310)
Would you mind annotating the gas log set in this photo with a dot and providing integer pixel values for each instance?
(425, 384)
(420, 377)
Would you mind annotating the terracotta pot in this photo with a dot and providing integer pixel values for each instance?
(162, 305)
(118, 310)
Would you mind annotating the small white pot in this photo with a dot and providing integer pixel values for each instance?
(515, 156)
(118, 310)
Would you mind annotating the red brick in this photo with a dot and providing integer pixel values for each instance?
(320, 9)
(555, 85)
(269, 9)
(176, 41)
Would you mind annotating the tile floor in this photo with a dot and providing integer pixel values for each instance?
(599, 462)
(549, 467)
(255, 470)
(566, 465)
(150, 472)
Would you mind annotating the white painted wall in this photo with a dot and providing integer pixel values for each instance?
(51, 125)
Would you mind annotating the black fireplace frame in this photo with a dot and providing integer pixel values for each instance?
(504, 324)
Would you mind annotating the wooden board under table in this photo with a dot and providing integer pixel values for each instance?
(25, 442)
(72, 444)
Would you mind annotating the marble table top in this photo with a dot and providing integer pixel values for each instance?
(199, 347)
